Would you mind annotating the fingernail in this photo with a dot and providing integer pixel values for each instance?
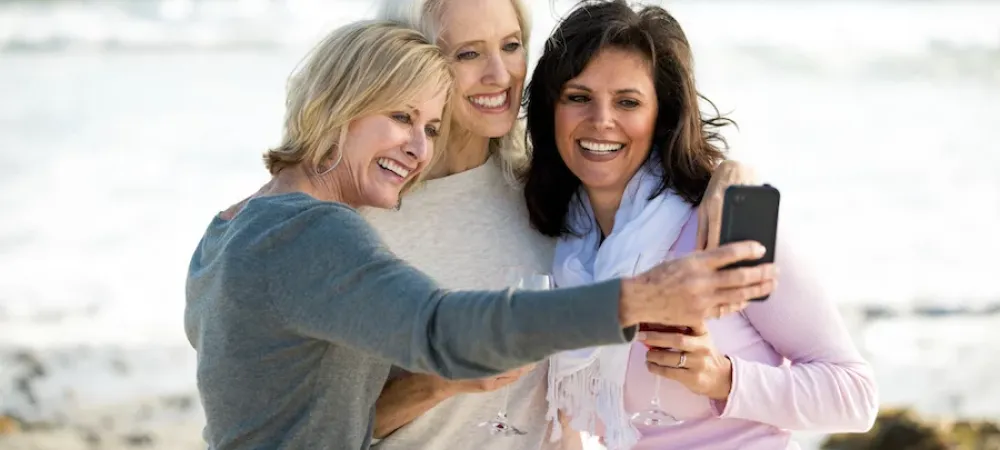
(641, 336)
(759, 249)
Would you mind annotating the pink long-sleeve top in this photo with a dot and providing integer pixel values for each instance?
(795, 368)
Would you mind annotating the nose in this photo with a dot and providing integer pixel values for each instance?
(602, 115)
(417, 147)
(496, 71)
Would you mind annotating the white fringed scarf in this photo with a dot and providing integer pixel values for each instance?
(588, 384)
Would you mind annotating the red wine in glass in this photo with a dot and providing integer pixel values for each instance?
(655, 416)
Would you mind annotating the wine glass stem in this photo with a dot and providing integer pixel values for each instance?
(656, 394)
(503, 406)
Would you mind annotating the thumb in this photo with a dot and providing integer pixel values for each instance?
(699, 329)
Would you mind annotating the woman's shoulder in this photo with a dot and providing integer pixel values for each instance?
(297, 219)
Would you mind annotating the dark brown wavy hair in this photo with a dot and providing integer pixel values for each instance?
(688, 145)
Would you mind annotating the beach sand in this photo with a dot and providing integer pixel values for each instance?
(144, 397)
(162, 437)
(99, 398)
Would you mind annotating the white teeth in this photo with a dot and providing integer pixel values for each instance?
(600, 147)
(393, 167)
(492, 101)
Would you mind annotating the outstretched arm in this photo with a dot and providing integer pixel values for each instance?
(356, 293)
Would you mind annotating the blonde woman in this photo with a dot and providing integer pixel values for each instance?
(297, 309)
(467, 225)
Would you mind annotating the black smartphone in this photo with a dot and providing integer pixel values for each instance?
(750, 213)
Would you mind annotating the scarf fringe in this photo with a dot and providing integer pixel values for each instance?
(591, 398)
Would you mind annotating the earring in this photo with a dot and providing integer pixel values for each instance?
(333, 166)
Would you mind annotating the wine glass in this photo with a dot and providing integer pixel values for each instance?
(655, 416)
(518, 279)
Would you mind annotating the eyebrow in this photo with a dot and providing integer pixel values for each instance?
(581, 87)
(417, 112)
(515, 33)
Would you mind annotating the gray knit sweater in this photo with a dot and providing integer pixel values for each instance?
(297, 310)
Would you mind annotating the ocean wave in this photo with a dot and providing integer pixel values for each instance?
(924, 40)
(168, 25)
(936, 60)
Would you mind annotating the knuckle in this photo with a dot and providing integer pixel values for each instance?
(745, 276)
(692, 285)
(701, 302)
(689, 263)
(765, 272)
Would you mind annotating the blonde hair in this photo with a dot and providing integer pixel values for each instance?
(360, 69)
(425, 15)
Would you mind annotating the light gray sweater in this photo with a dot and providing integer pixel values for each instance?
(464, 230)
(297, 310)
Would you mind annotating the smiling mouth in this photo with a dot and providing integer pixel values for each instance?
(491, 103)
(394, 168)
(600, 148)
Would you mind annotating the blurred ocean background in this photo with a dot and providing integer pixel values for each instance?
(125, 125)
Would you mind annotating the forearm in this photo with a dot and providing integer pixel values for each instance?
(818, 396)
(387, 308)
(469, 336)
(405, 398)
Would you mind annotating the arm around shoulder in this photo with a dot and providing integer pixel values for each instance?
(405, 397)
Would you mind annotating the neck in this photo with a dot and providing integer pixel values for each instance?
(464, 151)
(605, 204)
(297, 179)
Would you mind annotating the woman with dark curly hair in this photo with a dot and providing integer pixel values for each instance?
(621, 159)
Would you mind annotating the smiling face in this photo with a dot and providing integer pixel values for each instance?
(384, 152)
(484, 38)
(605, 119)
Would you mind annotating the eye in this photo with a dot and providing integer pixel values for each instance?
(431, 131)
(402, 118)
(577, 98)
(465, 56)
(629, 103)
(512, 47)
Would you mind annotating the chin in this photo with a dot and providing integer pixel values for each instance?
(494, 127)
(384, 201)
(601, 182)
